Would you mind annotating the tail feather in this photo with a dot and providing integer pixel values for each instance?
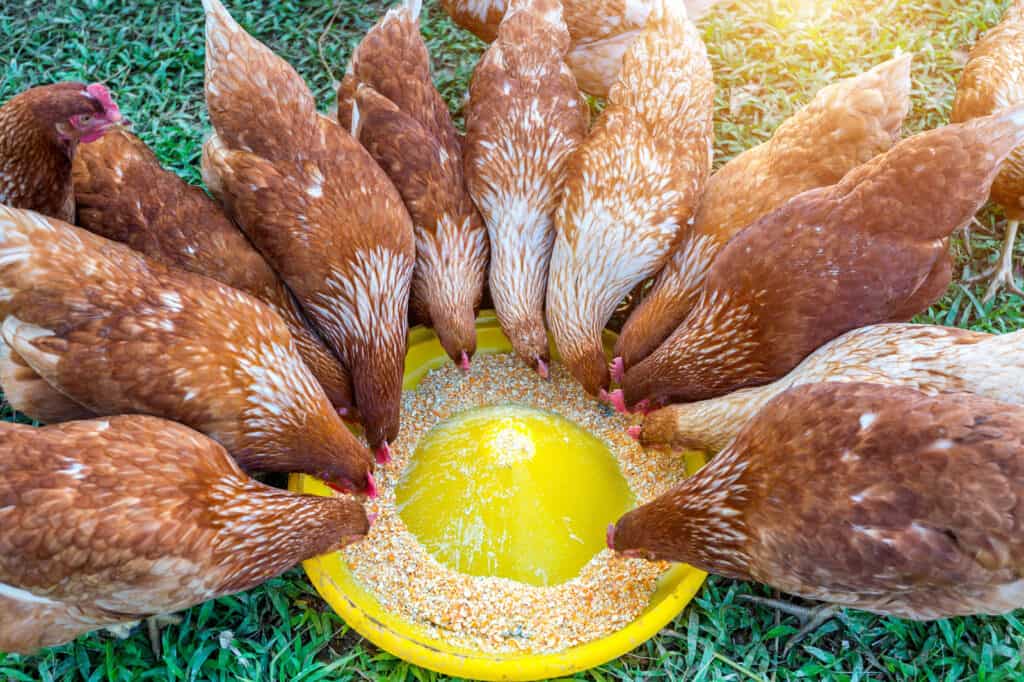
(36, 250)
(892, 80)
(244, 76)
(22, 337)
(28, 373)
(895, 70)
(414, 7)
(920, 201)
(42, 253)
(1003, 131)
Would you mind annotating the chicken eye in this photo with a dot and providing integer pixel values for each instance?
(84, 119)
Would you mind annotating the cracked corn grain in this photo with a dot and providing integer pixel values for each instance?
(497, 615)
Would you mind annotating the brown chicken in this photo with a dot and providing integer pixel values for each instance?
(872, 248)
(319, 208)
(122, 193)
(40, 129)
(601, 31)
(405, 125)
(846, 124)
(992, 80)
(631, 187)
(119, 333)
(927, 358)
(106, 522)
(875, 497)
(524, 118)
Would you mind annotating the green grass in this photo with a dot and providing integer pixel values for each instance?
(769, 57)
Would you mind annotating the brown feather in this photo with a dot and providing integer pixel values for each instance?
(120, 333)
(35, 160)
(993, 79)
(110, 521)
(846, 124)
(876, 497)
(631, 188)
(524, 118)
(863, 251)
(405, 125)
(929, 358)
(123, 193)
(318, 207)
(602, 31)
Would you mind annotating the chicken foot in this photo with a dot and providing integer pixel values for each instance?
(811, 618)
(153, 625)
(1000, 275)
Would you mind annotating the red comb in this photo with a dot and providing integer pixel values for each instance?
(100, 93)
(634, 431)
(464, 362)
(371, 487)
(609, 536)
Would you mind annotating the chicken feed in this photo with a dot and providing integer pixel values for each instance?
(498, 615)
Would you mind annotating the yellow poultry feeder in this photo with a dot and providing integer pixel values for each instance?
(413, 643)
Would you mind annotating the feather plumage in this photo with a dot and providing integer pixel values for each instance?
(872, 248)
(524, 119)
(631, 188)
(318, 207)
(877, 497)
(119, 333)
(846, 124)
(109, 521)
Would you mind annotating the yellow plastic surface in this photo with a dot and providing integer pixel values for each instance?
(332, 579)
(512, 492)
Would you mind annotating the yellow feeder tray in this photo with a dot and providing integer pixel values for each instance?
(411, 642)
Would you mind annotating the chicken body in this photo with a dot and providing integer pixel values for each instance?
(876, 497)
(405, 125)
(928, 358)
(601, 31)
(870, 249)
(318, 207)
(993, 79)
(40, 129)
(631, 187)
(122, 193)
(846, 124)
(117, 333)
(107, 522)
(524, 118)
